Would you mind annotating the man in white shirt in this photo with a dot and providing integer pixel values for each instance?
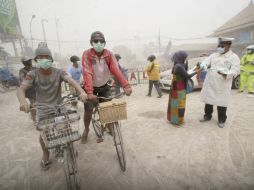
(222, 67)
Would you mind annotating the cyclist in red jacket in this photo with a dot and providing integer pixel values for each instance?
(98, 65)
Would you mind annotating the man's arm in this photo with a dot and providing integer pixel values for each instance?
(24, 106)
(114, 69)
(206, 63)
(87, 73)
(74, 84)
(235, 67)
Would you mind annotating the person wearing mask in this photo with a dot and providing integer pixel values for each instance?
(75, 71)
(247, 70)
(177, 95)
(153, 72)
(123, 70)
(222, 67)
(98, 65)
(30, 93)
(46, 81)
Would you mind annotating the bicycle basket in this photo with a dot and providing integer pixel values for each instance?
(112, 111)
(60, 130)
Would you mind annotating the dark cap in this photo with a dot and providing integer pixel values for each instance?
(151, 58)
(97, 35)
(118, 56)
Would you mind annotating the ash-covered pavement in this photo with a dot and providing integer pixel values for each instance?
(159, 156)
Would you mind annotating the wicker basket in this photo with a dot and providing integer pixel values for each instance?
(112, 111)
(59, 130)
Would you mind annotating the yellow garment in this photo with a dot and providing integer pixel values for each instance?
(153, 74)
(246, 63)
(247, 72)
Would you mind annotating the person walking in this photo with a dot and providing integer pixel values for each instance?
(177, 95)
(247, 70)
(222, 67)
(123, 70)
(153, 72)
(75, 71)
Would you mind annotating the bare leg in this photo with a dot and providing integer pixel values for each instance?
(87, 120)
(33, 115)
(45, 151)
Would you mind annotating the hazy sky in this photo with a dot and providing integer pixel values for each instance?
(122, 21)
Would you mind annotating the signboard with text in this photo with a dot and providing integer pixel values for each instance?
(9, 21)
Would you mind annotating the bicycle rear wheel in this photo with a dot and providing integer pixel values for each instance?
(70, 168)
(118, 142)
(98, 129)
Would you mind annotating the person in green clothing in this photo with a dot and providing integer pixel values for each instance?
(247, 70)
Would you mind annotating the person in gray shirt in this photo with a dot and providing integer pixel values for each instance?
(30, 93)
(47, 83)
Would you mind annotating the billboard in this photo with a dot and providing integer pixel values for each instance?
(9, 21)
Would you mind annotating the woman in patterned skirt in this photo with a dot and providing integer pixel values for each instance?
(177, 95)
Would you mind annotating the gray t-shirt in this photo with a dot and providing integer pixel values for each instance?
(48, 89)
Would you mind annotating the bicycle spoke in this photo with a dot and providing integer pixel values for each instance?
(118, 142)
(70, 168)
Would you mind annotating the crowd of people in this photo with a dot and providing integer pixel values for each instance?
(91, 78)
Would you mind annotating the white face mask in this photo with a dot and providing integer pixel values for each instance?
(220, 50)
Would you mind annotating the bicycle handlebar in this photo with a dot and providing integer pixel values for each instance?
(112, 97)
(70, 98)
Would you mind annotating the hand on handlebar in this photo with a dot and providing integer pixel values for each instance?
(25, 108)
(92, 97)
(83, 97)
(128, 90)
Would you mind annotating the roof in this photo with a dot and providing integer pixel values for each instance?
(242, 20)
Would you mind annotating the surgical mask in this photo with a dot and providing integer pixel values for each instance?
(98, 47)
(44, 63)
(220, 50)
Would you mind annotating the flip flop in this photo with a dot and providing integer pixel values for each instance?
(45, 165)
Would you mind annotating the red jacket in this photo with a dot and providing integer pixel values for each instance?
(89, 57)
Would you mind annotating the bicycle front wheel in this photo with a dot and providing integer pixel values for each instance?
(118, 142)
(98, 129)
(70, 168)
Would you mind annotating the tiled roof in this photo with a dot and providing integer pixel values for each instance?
(243, 19)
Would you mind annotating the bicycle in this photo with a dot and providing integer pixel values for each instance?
(112, 118)
(59, 133)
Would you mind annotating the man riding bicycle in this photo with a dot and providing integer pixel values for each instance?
(98, 65)
(47, 83)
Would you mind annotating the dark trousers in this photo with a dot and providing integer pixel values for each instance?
(156, 85)
(221, 112)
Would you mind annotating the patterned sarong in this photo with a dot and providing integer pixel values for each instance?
(177, 100)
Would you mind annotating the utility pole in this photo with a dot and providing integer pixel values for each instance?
(159, 42)
(33, 16)
(43, 29)
(57, 34)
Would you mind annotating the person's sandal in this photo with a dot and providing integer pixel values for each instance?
(45, 165)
